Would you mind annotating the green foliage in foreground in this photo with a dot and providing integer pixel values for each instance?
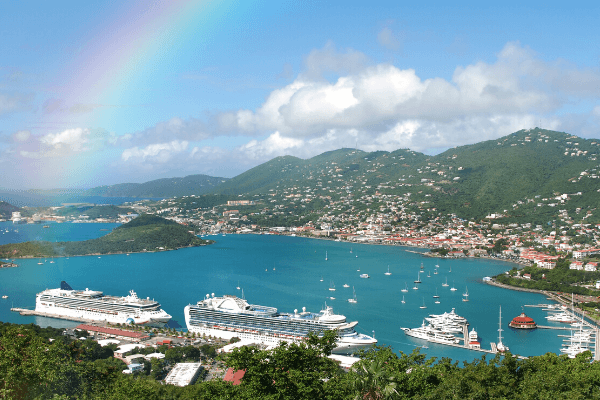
(31, 367)
(145, 233)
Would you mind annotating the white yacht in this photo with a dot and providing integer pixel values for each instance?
(429, 333)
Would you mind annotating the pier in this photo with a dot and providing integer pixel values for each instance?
(28, 312)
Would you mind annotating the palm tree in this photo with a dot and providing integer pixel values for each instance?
(373, 382)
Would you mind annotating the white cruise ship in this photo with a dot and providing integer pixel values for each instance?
(66, 303)
(230, 316)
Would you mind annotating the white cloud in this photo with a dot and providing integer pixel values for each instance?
(273, 146)
(393, 106)
(387, 39)
(158, 153)
(21, 136)
(14, 102)
(174, 129)
(75, 139)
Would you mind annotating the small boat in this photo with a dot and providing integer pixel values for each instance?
(5, 297)
(450, 269)
(321, 280)
(435, 296)
(466, 295)
(445, 284)
(353, 299)
(346, 285)
(453, 288)
(364, 276)
(437, 301)
(423, 306)
(405, 288)
(429, 274)
(415, 287)
(422, 267)
(325, 256)
(332, 298)
(418, 277)
(350, 250)
(388, 271)
(238, 286)
(403, 300)
(332, 287)
(435, 271)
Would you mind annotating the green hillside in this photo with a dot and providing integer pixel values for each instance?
(524, 173)
(168, 187)
(145, 233)
(6, 209)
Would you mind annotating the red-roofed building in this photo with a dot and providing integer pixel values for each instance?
(522, 322)
(234, 377)
(134, 336)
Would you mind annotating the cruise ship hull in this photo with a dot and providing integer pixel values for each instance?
(265, 325)
(343, 346)
(94, 306)
(158, 320)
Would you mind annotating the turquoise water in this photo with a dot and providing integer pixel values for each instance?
(285, 272)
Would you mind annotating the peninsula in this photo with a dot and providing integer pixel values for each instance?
(144, 233)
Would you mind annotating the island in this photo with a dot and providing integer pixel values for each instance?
(146, 233)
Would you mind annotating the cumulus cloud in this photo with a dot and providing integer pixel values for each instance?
(391, 106)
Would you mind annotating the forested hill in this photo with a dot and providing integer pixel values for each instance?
(145, 233)
(168, 187)
(515, 173)
(6, 209)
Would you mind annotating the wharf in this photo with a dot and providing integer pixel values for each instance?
(25, 311)
(564, 328)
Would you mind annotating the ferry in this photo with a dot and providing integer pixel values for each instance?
(230, 316)
(70, 304)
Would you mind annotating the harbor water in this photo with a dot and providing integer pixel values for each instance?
(288, 273)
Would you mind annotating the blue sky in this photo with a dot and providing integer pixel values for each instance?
(111, 92)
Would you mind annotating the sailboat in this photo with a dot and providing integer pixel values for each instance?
(238, 286)
(422, 267)
(321, 280)
(388, 271)
(403, 300)
(332, 287)
(353, 299)
(445, 284)
(405, 288)
(325, 256)
(435, 270)
(466, 294)
(423, 306)
(435, 296)
(418, 277)
(40, 262)
(350, 250)
(429, 274)
(453, 288)
(500, 346)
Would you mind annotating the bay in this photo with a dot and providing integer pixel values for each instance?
(286, 272)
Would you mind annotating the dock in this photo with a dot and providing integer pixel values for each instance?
(28, 312)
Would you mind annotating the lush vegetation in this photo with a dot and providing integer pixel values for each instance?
(144, 233)
(161, 188)
(559, 279)
(32, 367)
(7, 209)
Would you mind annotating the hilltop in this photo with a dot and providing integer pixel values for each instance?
(144, 233)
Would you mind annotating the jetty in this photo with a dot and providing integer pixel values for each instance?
(28, 312)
